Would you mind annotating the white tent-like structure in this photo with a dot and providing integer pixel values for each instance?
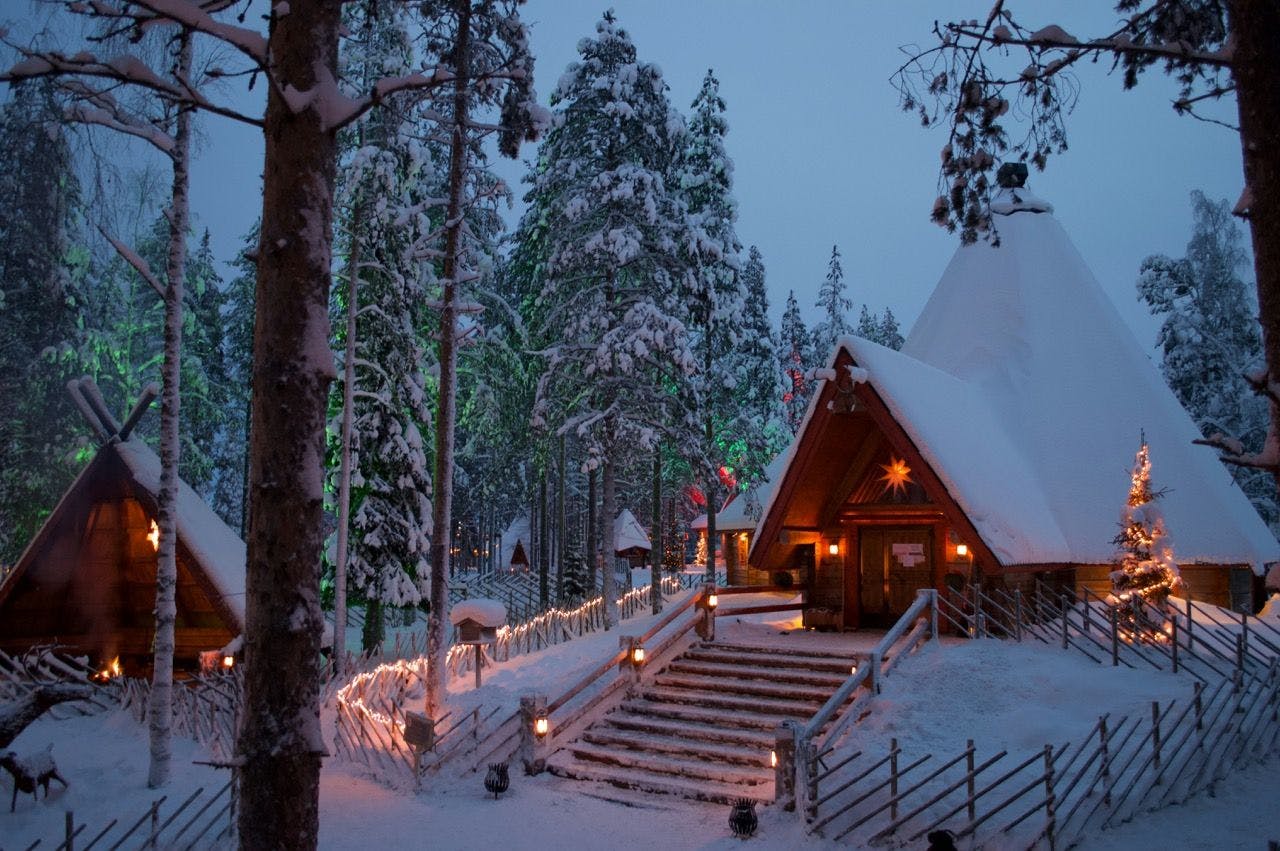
(629, 537)
(998, 442)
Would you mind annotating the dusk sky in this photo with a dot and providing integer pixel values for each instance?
(823, 155)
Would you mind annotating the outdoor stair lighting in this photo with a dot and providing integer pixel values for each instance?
(541, 726)
(712, 601)
(962, 550)
(637, 656)
(834, 549)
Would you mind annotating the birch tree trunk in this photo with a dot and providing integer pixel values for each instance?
(160, 708)
(607, 546)
(280, 744)
(344, 475)
(442, 506)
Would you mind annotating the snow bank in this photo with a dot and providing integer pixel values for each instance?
(487, 613)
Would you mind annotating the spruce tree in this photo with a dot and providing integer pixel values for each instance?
(796, 355)
(881, 329)
(1147, 573)
(612, 280)
(835, 307)
(1209, 339)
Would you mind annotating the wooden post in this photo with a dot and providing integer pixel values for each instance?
(628, 666)
(1155, 739)
(479, 656)
(533, 749)
(1239, 673)
(875, 671)
(1050, 808)
(784, 769)
(1115, 637)
(893, 779)
(706, 626)
(70, 831)
(972, 783)
(1106, 760)
(977, 612)
(155, 824)
(1066, 624)
(1017, 616)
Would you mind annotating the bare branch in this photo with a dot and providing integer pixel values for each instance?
(132, 258)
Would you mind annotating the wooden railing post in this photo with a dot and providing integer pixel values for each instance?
(1017, 614)
(893, 779)
(806, 787)
(1155, 739)
(1106, 760)
(1115, 637)
(784, 768)
(1239, 672)
(1173, 635)
(972, 783)
(933, 613)
(1050, 805)
(875, 670)
(1066, 624)
(534, 748)
(977, 612)
(629, 667)
(706, 626)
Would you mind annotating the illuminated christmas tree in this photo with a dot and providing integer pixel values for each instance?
(700, 557)
(672, 541)
(1147, 573)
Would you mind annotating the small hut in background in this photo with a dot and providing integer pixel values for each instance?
(87, 580)
(519, 559)
(630, 540)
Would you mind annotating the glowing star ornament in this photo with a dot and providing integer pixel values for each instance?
(897, 475)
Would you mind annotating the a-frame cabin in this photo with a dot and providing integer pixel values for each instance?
(86, 581)
(996, 445)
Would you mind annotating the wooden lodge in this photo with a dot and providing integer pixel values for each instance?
(86, 581)
(994, 448)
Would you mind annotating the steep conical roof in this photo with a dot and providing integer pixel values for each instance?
(1026, 325)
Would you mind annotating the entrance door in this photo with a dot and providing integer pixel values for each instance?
(894, 562)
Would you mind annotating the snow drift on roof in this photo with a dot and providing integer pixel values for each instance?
(1039, 345)
(211, 542)
(487, 613)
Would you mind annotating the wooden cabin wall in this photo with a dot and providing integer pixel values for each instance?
(1221, 585)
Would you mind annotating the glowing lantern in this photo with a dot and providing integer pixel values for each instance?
(962, 550)
(637, 656)
(834, 549)
(712, 601)
(541, 726)
(228, 662)
(154, 536)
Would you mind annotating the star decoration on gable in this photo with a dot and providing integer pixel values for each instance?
(897, 475)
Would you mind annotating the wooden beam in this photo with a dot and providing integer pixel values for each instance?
(870, 446)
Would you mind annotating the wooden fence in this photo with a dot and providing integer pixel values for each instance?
(206, 709)
(202, 821)
(1059, 794)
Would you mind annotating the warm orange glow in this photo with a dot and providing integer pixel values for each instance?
(712, 601)
(541, 725)
(833, 549)
(228, 661)
(111, 671)
(773, 758)
(962, 550)
(154, 536)
(637, 656)
(897, 475)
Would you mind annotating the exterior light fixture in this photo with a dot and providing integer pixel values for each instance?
(228, 662)
(637, 656)
(834, 549)
(853, 669)
(962, 550)
(712, 601)
(541, 726)
(773, 758)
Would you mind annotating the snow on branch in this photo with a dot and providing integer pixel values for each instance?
(133, 259)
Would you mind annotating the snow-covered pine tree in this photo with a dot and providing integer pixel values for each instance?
(881, 329)
(384, 188)
(41, 311)
(1210, 340)
(1147, 573)
(231, 489)
(835, 307)
(795, 352)
(716, 299)
(574, 586)
(612, 289)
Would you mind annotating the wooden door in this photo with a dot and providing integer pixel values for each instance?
(893, 563)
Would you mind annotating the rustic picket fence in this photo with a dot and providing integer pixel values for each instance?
(204, 820)
(46, 664)
(370, 715)
(1061, 793)
(206, 708)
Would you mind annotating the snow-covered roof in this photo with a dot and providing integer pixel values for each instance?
(210, 541)
(1025, 390)
(487, 613)
(517, 530)
(629, 534)
(743, 513)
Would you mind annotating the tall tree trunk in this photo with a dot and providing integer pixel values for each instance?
(544, 544)
(442, 507)
(608, 546)
(560, 529)
(712, 487)
(160, 706)
(655, 542)
(344, 475)
(593, 548)
(280, 744)
(1255, 31)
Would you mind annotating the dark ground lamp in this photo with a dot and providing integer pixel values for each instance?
(742, 818)
(498, 779)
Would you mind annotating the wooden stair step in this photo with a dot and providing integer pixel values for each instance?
(626, 720)
(563, 765)
(752, 687)
(740, 703)
(721, 655)
(702, 715)
(671, 765)
(777, 674)
(650, 743)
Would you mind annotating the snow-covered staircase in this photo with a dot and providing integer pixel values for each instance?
(704, 726)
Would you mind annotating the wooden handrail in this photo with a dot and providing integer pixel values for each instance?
(666, 619)
(578, 687)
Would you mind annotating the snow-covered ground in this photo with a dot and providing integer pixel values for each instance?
(1000, 694)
